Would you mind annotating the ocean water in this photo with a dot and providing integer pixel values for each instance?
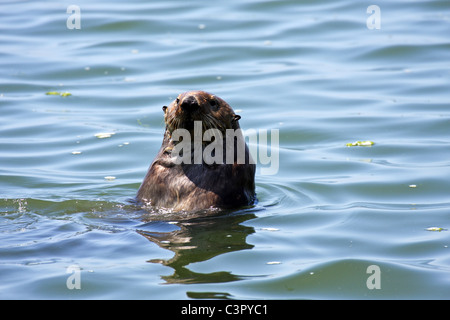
(332, 222)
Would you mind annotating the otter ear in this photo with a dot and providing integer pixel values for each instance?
(164, 109)
(234, 122)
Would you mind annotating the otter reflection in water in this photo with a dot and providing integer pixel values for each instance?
(181, 177)
(199, 240)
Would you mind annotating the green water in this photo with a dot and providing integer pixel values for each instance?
(311, 69)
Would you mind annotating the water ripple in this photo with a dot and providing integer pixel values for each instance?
(312, 70)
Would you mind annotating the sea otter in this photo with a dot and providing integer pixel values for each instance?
(204, 162)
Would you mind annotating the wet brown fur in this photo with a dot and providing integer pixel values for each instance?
(193, 187)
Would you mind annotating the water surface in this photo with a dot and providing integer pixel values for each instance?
(311, 69)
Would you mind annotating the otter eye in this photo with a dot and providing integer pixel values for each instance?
(214, 103)
(178, 100)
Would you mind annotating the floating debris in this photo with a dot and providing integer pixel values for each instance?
(57, 93)
(435, 229)
(273, 262)
(103, 135)
(366, 143)
(76, 152)
(413, 186)
(270, 229)
(110, 178)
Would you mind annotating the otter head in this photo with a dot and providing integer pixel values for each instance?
(212, 111)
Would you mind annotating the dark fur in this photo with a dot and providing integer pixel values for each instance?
(193, 187)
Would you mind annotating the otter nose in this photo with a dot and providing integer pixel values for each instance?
(189, 104)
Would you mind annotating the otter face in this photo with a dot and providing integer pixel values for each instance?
(212, 111)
